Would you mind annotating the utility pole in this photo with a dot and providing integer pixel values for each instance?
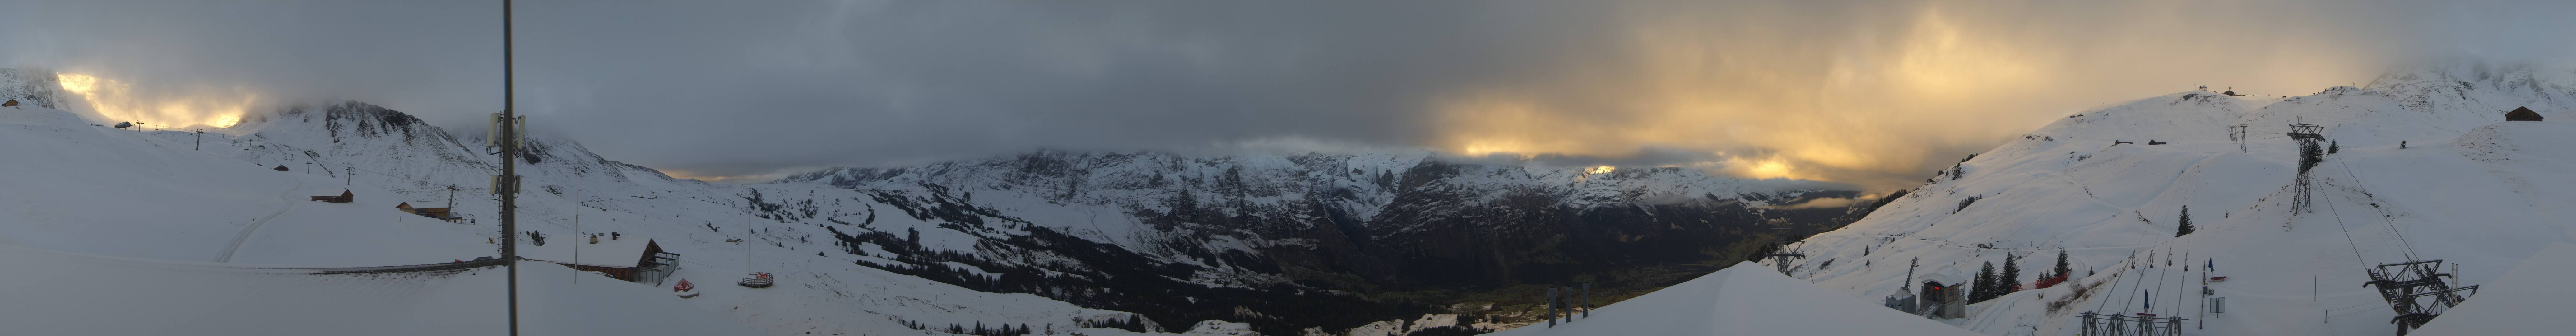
(201, 139)
(349, 175)
(576, 233)
(509, 179)
(2238, 133)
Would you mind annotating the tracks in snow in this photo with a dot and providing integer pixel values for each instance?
(235, 246)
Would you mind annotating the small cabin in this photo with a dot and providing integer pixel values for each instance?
(441, 213)
(279, 168)
(640, 260)
(2522, 114)
(1942, 296)
(344, 197)
(12, 102)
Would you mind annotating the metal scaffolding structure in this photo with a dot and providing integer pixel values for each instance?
(2406, 284)
(2097, 324)
(1783, 252)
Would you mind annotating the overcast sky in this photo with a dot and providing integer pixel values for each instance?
(1870, 93)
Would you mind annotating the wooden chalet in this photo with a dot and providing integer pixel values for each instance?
(441, 213)
(640, 260)
(12, 102)
(2522, 114)
(344, 197)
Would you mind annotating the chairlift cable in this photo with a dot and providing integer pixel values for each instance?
(2383, 219)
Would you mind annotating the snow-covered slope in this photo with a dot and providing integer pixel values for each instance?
(2534, 297)
(63, 293)
(2469, 187)
(1746, 299)
(101, 220)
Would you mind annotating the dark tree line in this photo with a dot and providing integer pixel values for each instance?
(1112, 278)
(1991, 284)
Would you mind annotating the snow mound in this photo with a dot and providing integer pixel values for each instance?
(1746, 299)
(2528, 300)
(2519, 140)
(38, 116)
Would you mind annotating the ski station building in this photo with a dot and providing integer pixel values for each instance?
(640, 260)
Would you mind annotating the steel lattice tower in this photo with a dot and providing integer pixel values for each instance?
(2310, 154)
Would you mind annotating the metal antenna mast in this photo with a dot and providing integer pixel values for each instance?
(508, 182)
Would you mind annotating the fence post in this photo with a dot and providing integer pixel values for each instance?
(1551, 307)
(1559, 301)
(1587, 299)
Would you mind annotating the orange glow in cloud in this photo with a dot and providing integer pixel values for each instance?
(118, 101)
(1869, 101)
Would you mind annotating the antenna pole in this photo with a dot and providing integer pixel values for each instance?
(509, 172)
(576, 232)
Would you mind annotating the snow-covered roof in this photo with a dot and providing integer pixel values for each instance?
(621, 252)
(426, 205)
(1746, 299)
(1943, 278)
(2528, 300)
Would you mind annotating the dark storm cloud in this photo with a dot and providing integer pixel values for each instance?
(894, 83)
(1866, 92)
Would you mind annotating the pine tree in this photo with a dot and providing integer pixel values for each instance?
(1984, 288)
(2185, 228)
(2011, 278)
(2061, 269)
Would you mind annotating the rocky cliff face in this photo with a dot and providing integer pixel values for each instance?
(31, 86)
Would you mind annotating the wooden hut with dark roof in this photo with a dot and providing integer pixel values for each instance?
(345, 197)
(640, 260)
(441, 212)
(2522, 114)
